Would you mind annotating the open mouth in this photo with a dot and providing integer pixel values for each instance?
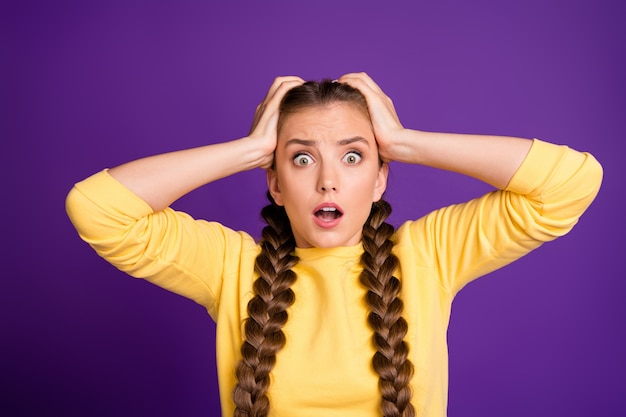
(328, 213)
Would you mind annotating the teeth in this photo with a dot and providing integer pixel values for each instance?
(329, 209)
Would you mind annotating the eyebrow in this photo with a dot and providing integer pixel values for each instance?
(342, 142)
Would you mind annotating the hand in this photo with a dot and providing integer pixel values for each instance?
(264, 126)
(387, 126)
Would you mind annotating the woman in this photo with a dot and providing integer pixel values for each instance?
(334, 312)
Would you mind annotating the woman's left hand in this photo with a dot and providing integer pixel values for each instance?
(387, 127)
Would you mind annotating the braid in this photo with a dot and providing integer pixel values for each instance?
(391, 361)
(266, 313)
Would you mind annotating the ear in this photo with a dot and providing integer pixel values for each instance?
(381, 182)
(273, 186)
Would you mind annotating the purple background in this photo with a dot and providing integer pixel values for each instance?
(88, 85)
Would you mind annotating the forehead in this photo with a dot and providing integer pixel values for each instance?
(334, 121)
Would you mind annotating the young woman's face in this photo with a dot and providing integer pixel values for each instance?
(327, 174)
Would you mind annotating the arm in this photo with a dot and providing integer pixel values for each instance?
(544, 200)
(122, 213)
(545, 189)
(492, 159)
(162, 179)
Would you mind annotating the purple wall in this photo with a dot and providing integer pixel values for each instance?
(88, 85)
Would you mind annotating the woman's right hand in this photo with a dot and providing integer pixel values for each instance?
(264, 126)
(162, 179)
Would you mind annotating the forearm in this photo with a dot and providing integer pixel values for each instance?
(492, 159)
(161, 179)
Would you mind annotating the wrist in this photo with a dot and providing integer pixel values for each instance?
(403, 146)
(259, 153)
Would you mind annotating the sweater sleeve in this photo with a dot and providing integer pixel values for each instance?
(168, 248)
(544, 200)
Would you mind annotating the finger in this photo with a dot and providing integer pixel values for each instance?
(360, 79)
(277, 83)
(270, 105)
(374, 96)
(371, 95)
(273, 100)
(381, 108)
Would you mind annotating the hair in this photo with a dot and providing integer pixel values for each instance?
(319, 94)
(267, 310)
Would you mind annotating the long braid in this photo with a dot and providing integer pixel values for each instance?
(267, 314)
(391, 361)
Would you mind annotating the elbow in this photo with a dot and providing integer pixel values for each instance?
(556, 212)
(73, 204)
(595, 176)
(563, 213)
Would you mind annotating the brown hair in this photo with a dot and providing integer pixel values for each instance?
(267, 310)
(319, 94)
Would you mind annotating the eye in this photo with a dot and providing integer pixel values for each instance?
(352, 158)
(302, 160)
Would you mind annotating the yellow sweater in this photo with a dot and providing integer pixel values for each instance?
(324, 369)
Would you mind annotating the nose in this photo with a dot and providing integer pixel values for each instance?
(328, 179)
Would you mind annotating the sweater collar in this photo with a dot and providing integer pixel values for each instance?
(309, 254)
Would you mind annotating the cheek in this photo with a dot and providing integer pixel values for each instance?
(366, 183)
(295, 191)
